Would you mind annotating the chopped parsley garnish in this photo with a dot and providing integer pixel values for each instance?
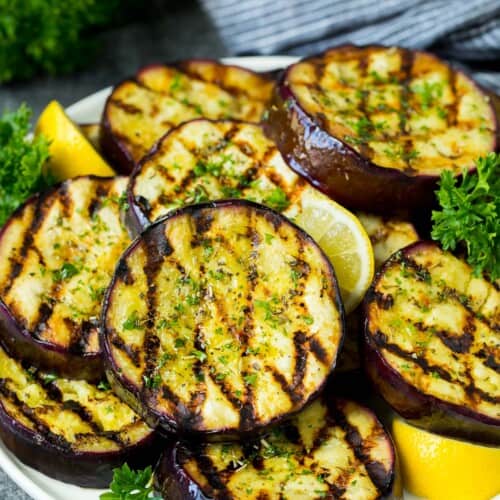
(48, 377)
(469, 215)
(250, 379)
(152, 382)
(103, 385)
(277, 200)
(129, 484)
(67, 271)
(21, 161)
(199, 355)
(132, 322)
(428, 93)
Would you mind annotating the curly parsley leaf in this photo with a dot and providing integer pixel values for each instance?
(131, 485)
(21, 161)
(469, 215)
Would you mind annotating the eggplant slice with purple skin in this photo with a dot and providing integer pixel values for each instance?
(70, 430)
(332, 449)
(58, 253)
(373, 127)
(140, 110)
(432, 343)
(222, 318)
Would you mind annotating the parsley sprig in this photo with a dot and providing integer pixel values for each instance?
(131, 485)
(469, 215)
(21, 161)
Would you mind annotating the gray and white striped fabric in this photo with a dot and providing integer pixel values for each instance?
(467, 31)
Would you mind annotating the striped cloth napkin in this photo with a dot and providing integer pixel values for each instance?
(464, 31)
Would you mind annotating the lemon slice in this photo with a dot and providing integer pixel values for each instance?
(71, 154)
(437, 468)
(344, 240)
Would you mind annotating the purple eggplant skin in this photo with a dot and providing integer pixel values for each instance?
(88, 470)
(172, 481)
(422, 410)
(336, 169)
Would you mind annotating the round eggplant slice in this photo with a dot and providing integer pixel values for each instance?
(432, 343)
(70, 430)
(222, 318)
(140, 110)
(373, 127)
(57, 255)
(334, 449)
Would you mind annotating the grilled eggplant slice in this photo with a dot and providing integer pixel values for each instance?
(373, 127)
(71, 430)
(222, 318)
(57, 255)
(141, 110)
(332, 449)
(92, 131)
(387, 234)
(432, 342)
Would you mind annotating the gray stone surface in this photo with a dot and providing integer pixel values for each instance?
(180, 31)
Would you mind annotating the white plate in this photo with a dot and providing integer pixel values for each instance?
(37, 485)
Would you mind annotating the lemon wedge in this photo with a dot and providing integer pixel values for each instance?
(439, 468)
(343, 239)
(71, 154)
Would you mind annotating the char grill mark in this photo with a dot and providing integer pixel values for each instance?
(17, 265)
(408, 58)
(124, 273)
(361, 449)
(452, 108)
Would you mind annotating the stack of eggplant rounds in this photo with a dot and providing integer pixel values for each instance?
(57, 414)
(221, 325)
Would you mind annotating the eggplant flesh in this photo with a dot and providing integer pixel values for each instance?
(247, 328)
(140, 110)
(373, 127)
(432, 344)
(69, 429)
(332, 449)
(57, 255)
